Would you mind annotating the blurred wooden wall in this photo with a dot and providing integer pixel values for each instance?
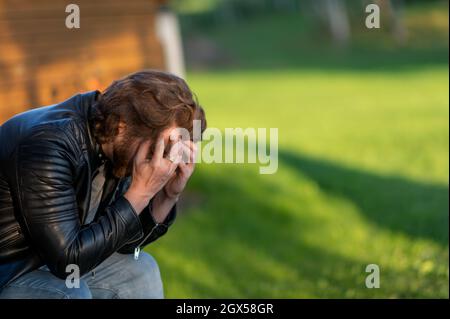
(43, 62)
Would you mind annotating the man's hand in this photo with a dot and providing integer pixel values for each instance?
(180, 177)
(149, 176)
(167, 197)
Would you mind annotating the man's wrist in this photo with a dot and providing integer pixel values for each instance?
(138, 201)
(161, 206)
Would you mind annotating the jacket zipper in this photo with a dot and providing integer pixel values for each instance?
(137, 250)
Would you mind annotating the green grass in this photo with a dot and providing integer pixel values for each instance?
(362, 179)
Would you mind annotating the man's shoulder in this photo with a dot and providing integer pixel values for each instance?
(66, 122)
(60, 127)
(20, 132)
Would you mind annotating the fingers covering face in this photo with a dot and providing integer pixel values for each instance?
(181, 151)
(185, 149)
(142, 152)
(159, 150)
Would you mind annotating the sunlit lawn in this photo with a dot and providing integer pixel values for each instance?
(362, 178)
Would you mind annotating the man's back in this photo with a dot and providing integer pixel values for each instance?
(18, 127)
(70, 115)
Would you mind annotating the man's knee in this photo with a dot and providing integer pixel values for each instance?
(147, 264)
(147, 277)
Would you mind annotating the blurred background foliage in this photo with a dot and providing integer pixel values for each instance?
(363, 152)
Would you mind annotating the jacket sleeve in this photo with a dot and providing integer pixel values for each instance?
(45, 168)
(152, 230)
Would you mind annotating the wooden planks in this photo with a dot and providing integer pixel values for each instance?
(42, 62)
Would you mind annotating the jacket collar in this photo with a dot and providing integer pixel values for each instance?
(96, 155)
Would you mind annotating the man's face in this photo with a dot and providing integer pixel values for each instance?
(124, 149)
(126, 146)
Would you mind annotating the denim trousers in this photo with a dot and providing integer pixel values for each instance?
(118, 277)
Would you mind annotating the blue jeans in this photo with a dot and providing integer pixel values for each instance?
(118, 277)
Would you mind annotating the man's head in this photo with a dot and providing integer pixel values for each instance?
(139, 107)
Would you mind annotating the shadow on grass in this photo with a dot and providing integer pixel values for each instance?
(332, 60)
(250, 249)
(414, 208)
(240, 244)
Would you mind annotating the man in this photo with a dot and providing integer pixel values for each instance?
(86, 183)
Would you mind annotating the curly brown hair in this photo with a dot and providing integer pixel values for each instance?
(147, 102)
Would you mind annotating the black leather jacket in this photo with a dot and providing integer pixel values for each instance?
(47, 161)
